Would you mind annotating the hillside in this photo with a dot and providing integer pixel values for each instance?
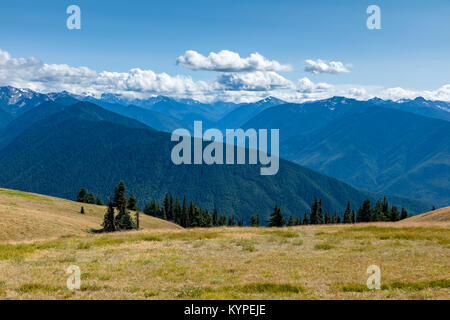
(28, 216)
(441, 215)
(87, 146)
(375, 149)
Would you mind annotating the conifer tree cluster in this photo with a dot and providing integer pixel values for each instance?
(186, 215)
(85, 197)
(123, 219)
(318, 215)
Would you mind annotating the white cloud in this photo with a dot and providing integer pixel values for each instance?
(228, 61)
(231, 86)
(34, 74)
(398, 93)
(305, 85)
(320, 66)
(254, 81)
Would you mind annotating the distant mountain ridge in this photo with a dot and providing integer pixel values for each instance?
(309, 132)
(87, 146)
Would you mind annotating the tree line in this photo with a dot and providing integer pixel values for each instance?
(365, 213)
(189, 215)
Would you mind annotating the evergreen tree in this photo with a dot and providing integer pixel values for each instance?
(215, 218)
(120, 199)
(379, 212)
(291, 222)
(232, 221)
(171, 212)
(353, 216)
(257, 220)
(108, 220)
(334, 218)
(276, 218)
(152, 209)
(254, 221)
(314, 208)
(166, 205)
(347, 214)
(223, 220)
(338, 220)
(185, 221)
(404, 214)
(99, 201)
(82, 195)
(82, 210)
(306, 219)
(327, 219)
(177, 211)
(433, 208)
(365, 212)
(395, 214)
(89, 198)
(133, 203)
(123, 220)
(298, 221)
(320, 217)
(386, 211)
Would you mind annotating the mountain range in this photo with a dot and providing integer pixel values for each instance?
(397, 148)
(84, 145)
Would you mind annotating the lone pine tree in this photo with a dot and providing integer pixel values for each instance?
(123, 220)
(276, 218)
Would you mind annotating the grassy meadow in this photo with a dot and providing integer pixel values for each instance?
(40, 237)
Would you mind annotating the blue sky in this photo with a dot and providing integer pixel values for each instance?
(411, 51)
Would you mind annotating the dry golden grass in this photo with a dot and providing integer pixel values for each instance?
(306, 262)
(438, 216)
(26, 216)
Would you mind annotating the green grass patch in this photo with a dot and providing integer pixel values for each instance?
(38, 287)
(191, 235)
(24, 195)
(411, 286)
(191, 292)
(421, 285)
(297, 242)
(268, 287)
(281, 233)
(323, 246)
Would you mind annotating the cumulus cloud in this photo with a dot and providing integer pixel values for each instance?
(228, 61)
(254, 81)
(305, 85)
(321, 66)
(398, 93)
(36, 75)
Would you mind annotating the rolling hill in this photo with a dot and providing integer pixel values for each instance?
(375, 149)
(28, 216)
(87, 146)
(439, 216)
